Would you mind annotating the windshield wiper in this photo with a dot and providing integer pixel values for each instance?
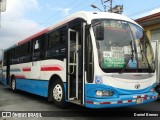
(144, 55)
(128, 58)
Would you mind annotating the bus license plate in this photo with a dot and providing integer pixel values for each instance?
(139, 100)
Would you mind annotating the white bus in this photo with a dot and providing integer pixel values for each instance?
(93, 59)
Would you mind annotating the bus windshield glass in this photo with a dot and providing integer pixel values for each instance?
(124, 47)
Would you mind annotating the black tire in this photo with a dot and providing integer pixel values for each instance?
(13, 84)
(57, 94)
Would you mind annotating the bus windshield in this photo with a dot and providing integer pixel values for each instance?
(124, 47)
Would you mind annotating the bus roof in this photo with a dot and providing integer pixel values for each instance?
(87, 16)
(33, 36)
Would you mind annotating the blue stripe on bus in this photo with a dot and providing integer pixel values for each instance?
(13, 70)
(121, 95)
(4, 81)
(91, 88)
(121, 98)
(38, 87)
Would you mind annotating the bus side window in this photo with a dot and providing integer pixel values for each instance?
(12, 56)
(56, 43)
(15, 55)
(25, 52)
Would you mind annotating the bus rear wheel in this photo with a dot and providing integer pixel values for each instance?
(13, 84)
(57, 94)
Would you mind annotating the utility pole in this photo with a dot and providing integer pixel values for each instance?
(0, 12)
(2, 8)
(104, 6)
(117, 9)
(2, 56)
(110, 5)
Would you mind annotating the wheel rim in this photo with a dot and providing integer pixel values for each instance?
(13, 84)
(57, 92)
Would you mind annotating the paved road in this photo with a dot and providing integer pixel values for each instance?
(22, 101)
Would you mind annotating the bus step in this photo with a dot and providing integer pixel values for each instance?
(76, 102)
(73, 98)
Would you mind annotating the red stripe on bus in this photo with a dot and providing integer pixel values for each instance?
(105, 102)
(33, 36)
(138, 96)
(19, 76)
(26, 69)
(89, 102)
(51, 68)
(145, 98)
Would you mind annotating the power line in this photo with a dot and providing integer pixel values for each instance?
(49, 19)
(53, 17)
(143, 11)
(81, 3)
(13, 20)
(44, 21)
(74, 8)
(90, 4)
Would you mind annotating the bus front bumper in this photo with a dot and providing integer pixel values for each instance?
(121, 100)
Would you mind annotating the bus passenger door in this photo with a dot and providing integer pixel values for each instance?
(73, 66)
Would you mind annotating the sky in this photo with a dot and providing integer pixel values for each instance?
(23, 18)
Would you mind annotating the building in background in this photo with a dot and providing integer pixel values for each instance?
(151, 24)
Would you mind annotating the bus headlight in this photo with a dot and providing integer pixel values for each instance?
(101, 93)
(153, 89)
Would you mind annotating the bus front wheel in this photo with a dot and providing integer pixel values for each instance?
(57, 94)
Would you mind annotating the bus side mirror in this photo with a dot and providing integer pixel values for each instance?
(99, 33)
